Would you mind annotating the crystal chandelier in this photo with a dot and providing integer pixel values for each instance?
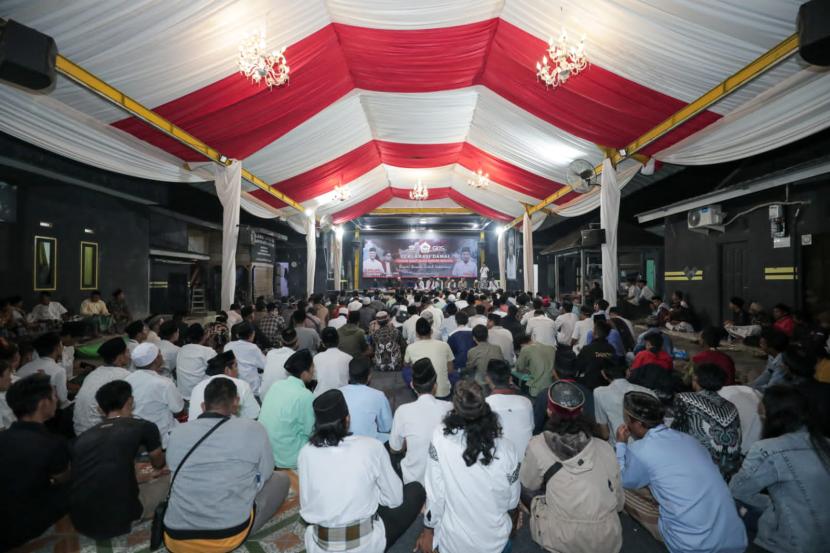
(565, 61)
(341, 194)
(481, 180)
(419, 192)
(257, 64)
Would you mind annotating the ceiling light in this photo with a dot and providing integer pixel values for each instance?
(44, 224)
(481, 180)
(308, 212)
(341, 194)
(419, 192)
(257, 64)
(500, 229)
(565, 61)
(367, 227)
(89, 231)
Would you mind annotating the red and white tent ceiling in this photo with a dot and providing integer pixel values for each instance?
(386, 92)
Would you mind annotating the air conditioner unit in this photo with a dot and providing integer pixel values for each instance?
(704, 219)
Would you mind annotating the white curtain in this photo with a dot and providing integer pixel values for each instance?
(527, 251)
(311, 252)
(502, 261)
(795, 108)
(609, 215)
(337, 255)
(228, 180)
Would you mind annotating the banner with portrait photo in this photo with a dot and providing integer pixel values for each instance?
(512, 245)
(413, 258)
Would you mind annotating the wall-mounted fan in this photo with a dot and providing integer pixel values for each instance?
(581, 176)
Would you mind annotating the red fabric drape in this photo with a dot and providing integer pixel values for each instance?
(472, 205)
(363, 207)
(418, 156)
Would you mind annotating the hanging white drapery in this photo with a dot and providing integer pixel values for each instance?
(311, 251)
(609, 215)
(502, 261)
(337, 255)
(228, 182)
(527, 251)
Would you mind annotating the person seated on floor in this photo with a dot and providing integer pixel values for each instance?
(608, 399)
(50, 353)
(710, 339)
(414, 423)
(6, 414)
(653, 355)
(168, 338)
(785, 477)
(386, 344)
(372, 509)
(537, 360)
(227, 489)
(119, 310)
(783, 319)
(275, 361)
(501, 337)
(680, 316)
(774, 343)
(371, 414)
(740, 316)
(224, 365)
(437, 351)
(47, 312)
(35, 464)
(515, 411)
(308, 338)
(672, 486)
(472, 479)
(598, 354)
(710, 419)
(653, 327)
(583, 326)
(105, 497)
(136, 334)
(286, 411)
(660, 309)
(460, 340)
(756, 321)
(116, 358)
(156, 397)
(479, 357)
(644, 293)
(192, 359)
(331, 365)
(587, 469)
(565, 369)
(94, 310)
(624, 327)
(249, 357)
(542, 328)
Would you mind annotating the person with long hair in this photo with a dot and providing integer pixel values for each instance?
(587, 469)
(472, 479)
(349, 492)
(786, 478)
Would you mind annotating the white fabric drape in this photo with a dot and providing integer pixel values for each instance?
(527, 251)
(228, 188)
(311, 252)
(795, 108)
(609, 215)
(502, 261)
(337, 256)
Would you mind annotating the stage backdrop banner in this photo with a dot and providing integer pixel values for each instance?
(433, 257)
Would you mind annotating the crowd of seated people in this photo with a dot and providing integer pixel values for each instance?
(519, 404)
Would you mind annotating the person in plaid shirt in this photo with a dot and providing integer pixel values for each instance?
(270, 326)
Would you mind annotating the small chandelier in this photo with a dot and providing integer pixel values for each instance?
(257, 64)
(565, 61)
(341, 194)
(481, 180)
(419, 192)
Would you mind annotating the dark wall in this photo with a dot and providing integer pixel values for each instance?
(749, 240)
(120, 228)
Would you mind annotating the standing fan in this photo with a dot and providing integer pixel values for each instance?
(581, 176)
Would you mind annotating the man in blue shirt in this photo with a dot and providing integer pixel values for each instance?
(774, 343)
(369, 409)
(696, 510)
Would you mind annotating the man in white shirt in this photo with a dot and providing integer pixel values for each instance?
(275, 362)
(565, 324)
(409, 325)
(156, 397)
(224, 365)
(501, 337)
(48, 310)
(50, 351)
(169, 334)
(331, 365)
(479, 318)
(646, 294)
(116, 356)
(450, 323)
(581, 329)
(136, 333)
(437, 351)
(437, 315)
(414, 423)
(340, 319)
(192, 359)
(249, 357)
(515, 410)
(608, 400)
(542, 329)
(746, 399)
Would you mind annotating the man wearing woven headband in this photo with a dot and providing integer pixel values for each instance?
(566, 461)
(686, 494)
(370, 508)
(472, 479)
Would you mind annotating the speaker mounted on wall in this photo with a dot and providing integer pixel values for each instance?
(814, 32)
(27, 56)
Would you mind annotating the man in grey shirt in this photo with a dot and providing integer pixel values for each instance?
(227, 489)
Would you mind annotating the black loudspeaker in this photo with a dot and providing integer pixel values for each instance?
(27, 57)
(814, 32)
(593, 237)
